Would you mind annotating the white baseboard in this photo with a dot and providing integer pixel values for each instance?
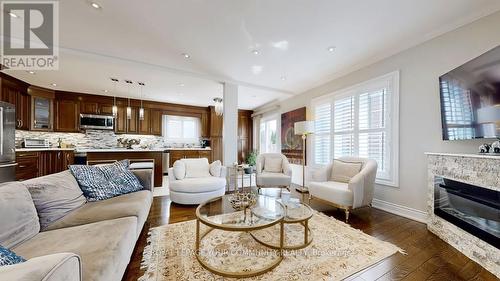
(400, 210)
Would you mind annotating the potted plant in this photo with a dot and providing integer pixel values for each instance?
(251, 158)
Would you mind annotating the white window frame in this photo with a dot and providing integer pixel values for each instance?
(182, 119)
(391, 82)
(263, 120)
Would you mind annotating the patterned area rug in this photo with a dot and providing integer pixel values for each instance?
(336, 252)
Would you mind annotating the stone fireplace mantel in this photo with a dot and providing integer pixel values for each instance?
(475, 169)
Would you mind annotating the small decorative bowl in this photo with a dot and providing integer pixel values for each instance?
(242, 200)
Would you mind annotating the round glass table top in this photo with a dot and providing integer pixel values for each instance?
(220, 213)
(295, 211)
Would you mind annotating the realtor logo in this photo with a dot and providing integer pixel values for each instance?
(30, 35)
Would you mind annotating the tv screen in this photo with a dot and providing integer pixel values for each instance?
(470, 99)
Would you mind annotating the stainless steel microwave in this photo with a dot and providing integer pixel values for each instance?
(100, 122)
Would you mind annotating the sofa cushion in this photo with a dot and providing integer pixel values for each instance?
(197, 167)
(55, 196)
(343, 171)
(332, 191)
(273, 165)
(7, 257)
(273, 179)
(179, 169)
(196, 185)
(215, 168)
(56, 267)
(106, 181)
(18, 217)
(105, 247)
(133, 204)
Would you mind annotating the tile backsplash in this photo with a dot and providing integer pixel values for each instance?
(89, 139)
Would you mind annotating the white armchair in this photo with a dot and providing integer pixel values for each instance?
(194, 181)
(273, 170)
(347, 190)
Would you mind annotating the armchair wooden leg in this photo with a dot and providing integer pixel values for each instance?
(346, 215)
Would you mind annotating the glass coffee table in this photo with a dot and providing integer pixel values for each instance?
(218, 214)
(296, 223)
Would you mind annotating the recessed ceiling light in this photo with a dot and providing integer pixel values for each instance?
(186, 55)
(105, 91)
(54, 84)
(331, 49)
(257, 69)
(95, 5)
(255, 52)
(13, 15)
(181, 85)
(31, 72)
(283, 78)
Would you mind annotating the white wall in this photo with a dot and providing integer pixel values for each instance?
(420, 117)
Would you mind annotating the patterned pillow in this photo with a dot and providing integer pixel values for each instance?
(107, 181)
(7, 257)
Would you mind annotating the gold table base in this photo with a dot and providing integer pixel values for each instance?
(224, 273)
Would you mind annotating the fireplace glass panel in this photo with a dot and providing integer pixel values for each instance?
(473, 208)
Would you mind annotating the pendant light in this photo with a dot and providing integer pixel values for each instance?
(129, 109)
(219, 107)
(141, 110)
(114, 108)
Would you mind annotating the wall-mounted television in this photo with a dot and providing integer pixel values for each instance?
(470, 99)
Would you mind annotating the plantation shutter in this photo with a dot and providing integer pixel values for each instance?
(372, 136)
(322, 134)
(343, 132)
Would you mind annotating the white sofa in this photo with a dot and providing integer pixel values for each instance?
(194, 181)
(278, 176)
(346, 192)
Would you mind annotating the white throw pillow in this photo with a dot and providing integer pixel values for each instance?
(273, 165)
(343, 171)
(197, 167)
(179, 170)
(215, 168)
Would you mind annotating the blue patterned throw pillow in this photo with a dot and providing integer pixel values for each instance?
(7, 257)
(106, 181)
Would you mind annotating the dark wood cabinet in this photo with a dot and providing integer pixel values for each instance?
(181, 154)
(145, 124)
(41, 163)
(67, 116)
(156, 122)
(205, 125)
(16, 92)
(245, 133)
(121, 120)
(133, 122)
(89, 107)
(106, 109)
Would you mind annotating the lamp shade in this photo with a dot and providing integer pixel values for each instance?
(304, 127)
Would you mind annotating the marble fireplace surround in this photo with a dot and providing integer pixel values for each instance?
(475, 169)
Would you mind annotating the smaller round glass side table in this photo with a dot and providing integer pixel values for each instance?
(295, 213)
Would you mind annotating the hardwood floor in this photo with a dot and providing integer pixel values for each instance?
(428, 257)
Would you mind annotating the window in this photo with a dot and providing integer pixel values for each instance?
(181, 129)
(360, 121)
(269, 136)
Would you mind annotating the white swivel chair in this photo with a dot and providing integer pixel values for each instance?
(194, 181)
(273, 170)
(347, 183)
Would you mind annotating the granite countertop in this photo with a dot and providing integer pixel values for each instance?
(42, 149)
(472, 155)
(120, 150)
(187, 148)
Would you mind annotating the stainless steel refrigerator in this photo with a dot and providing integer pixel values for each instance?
(7, 142)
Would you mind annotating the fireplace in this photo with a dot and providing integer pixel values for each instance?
(472, 208)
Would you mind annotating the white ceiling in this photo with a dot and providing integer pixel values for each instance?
(144, 41)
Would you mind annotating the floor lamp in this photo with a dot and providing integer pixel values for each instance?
(303, 128)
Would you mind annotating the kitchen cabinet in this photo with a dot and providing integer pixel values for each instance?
(133, 122)
(123, 124)
(188, 153)
(42, 108)
(145, 124)
(245, 132)
(156, 122)
(67, 117)
(41, 163)
(27, 165)
(15, 92)
(91, 107)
